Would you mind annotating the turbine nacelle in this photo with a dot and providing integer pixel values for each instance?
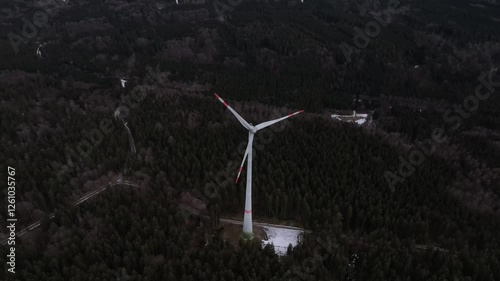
(252, 129)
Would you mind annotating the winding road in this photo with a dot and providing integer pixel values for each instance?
(118, 180)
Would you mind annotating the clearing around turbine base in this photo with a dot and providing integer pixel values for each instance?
(280, 238)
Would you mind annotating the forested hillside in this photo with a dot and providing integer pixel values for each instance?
(63, 110)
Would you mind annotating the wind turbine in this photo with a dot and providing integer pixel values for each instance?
(40, 51)
(123, 81)
(247, 218)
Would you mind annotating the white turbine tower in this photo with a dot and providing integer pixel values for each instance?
(247, 219)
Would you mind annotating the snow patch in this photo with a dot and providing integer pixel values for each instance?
(361, 121)
(358, 118)
(281, 238)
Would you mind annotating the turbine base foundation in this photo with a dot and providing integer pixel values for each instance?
(247, 235)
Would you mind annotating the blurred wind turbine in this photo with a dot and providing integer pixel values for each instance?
(123, 81)
(40, 51)
(130, 68)
(160, 5)
(247, 219)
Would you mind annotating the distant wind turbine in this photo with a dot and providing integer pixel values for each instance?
(247, 219)
(40, 51)
(123, 81)
(160, 5)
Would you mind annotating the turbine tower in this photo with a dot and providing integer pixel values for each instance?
(247, 218)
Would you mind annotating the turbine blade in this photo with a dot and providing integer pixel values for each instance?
(249, 146)
(242, 121)
(269, 123)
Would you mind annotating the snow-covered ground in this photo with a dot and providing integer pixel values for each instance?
(361, 121)
(358, 118)
(281, 238)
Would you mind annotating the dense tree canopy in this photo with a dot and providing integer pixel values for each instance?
(60, 129)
